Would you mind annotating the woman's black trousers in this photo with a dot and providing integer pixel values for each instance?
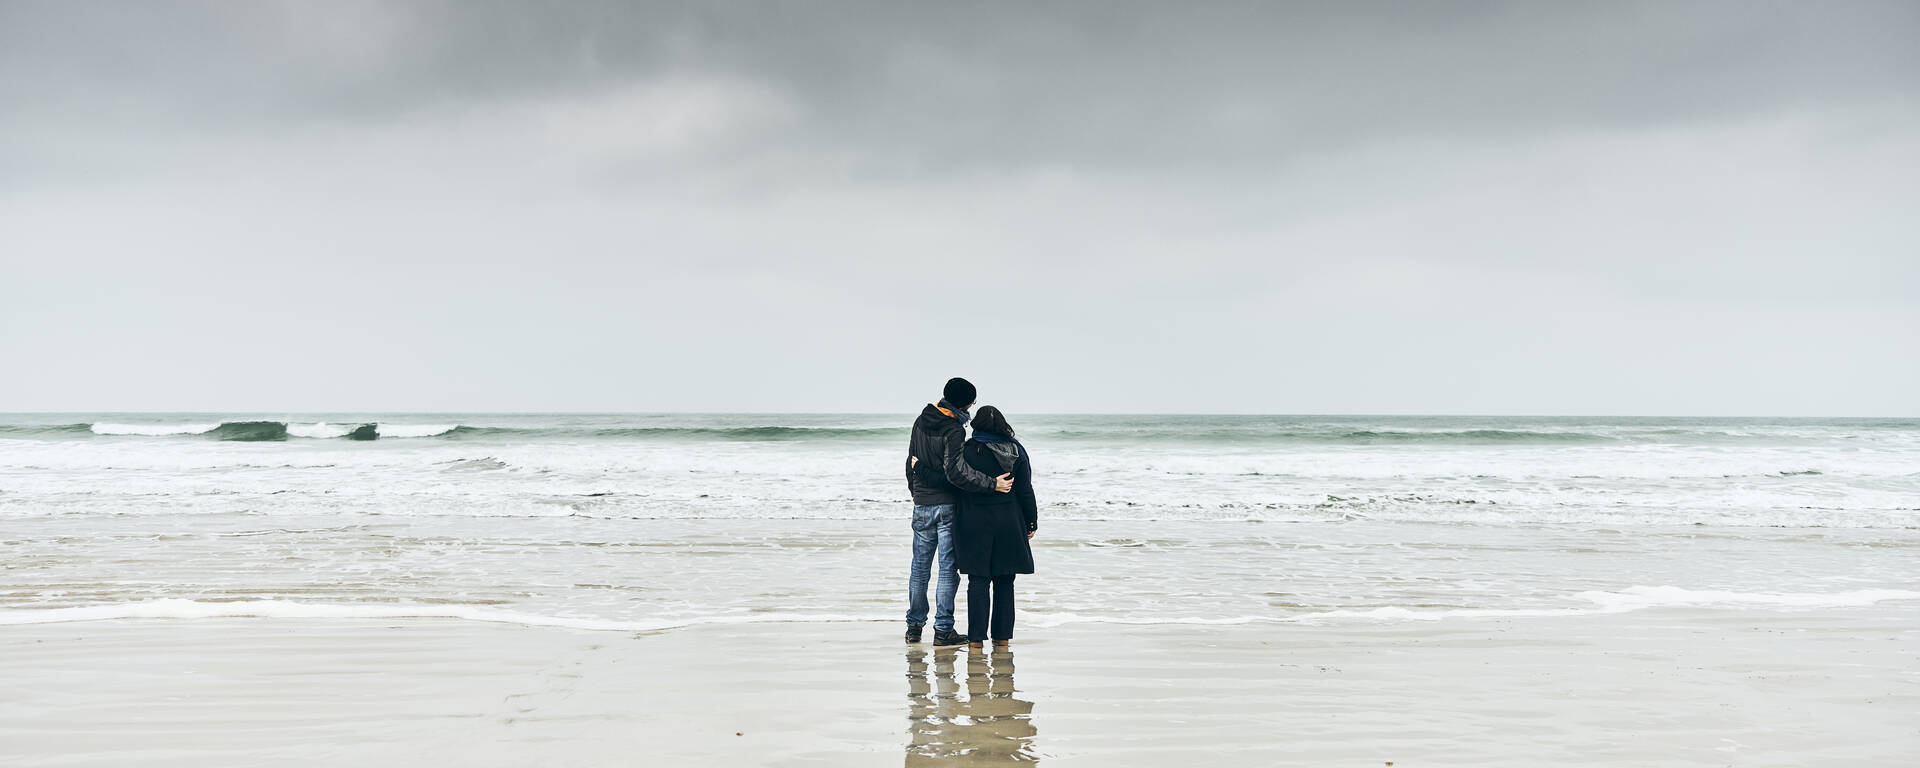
(978, 613)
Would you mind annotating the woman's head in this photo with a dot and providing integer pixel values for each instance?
(990, 419)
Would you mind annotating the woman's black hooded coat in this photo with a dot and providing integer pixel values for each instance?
(990, 531)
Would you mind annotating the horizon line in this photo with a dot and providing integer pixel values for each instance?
(1401, 414)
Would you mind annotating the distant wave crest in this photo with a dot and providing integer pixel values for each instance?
(1477, 435)
(761, 433)
(45, 429)
(1221, 432)
(415, 430)
(271, 430)
(256, 431)
(1353, 436)
(152, 430)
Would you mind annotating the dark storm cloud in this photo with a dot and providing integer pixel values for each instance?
(919, 85)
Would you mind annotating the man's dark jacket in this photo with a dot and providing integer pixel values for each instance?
(936, 442)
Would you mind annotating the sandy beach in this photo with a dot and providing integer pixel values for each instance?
(1679, 686)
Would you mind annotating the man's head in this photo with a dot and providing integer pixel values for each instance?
(959, 393)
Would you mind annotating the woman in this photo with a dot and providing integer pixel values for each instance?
(991, 530)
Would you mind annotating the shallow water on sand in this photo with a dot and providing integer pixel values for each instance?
(597, 573)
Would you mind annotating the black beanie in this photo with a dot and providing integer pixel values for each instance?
(959, 392)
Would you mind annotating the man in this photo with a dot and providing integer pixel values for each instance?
(934, 449)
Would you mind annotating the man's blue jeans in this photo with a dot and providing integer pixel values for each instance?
(932, 537)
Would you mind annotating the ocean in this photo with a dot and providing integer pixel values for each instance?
(649, 523)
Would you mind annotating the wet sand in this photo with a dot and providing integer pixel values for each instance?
(1679, 687)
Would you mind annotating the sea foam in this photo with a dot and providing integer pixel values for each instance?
(321, 430)
(1635, 598)
(1630, 599)
(176, 608)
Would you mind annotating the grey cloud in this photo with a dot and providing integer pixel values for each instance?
(1506, 207)
(912, 85)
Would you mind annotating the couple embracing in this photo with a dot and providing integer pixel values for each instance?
(973, 513)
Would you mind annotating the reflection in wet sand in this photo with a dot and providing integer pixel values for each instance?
(983, 725)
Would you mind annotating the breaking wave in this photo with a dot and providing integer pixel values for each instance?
(258, 431)
(45, 429)
(250, 431)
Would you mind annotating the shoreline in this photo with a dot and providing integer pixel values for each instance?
(1632, 599)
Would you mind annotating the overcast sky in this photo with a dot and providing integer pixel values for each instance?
(1586, 208)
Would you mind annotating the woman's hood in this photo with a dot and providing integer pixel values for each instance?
(1008, 454)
